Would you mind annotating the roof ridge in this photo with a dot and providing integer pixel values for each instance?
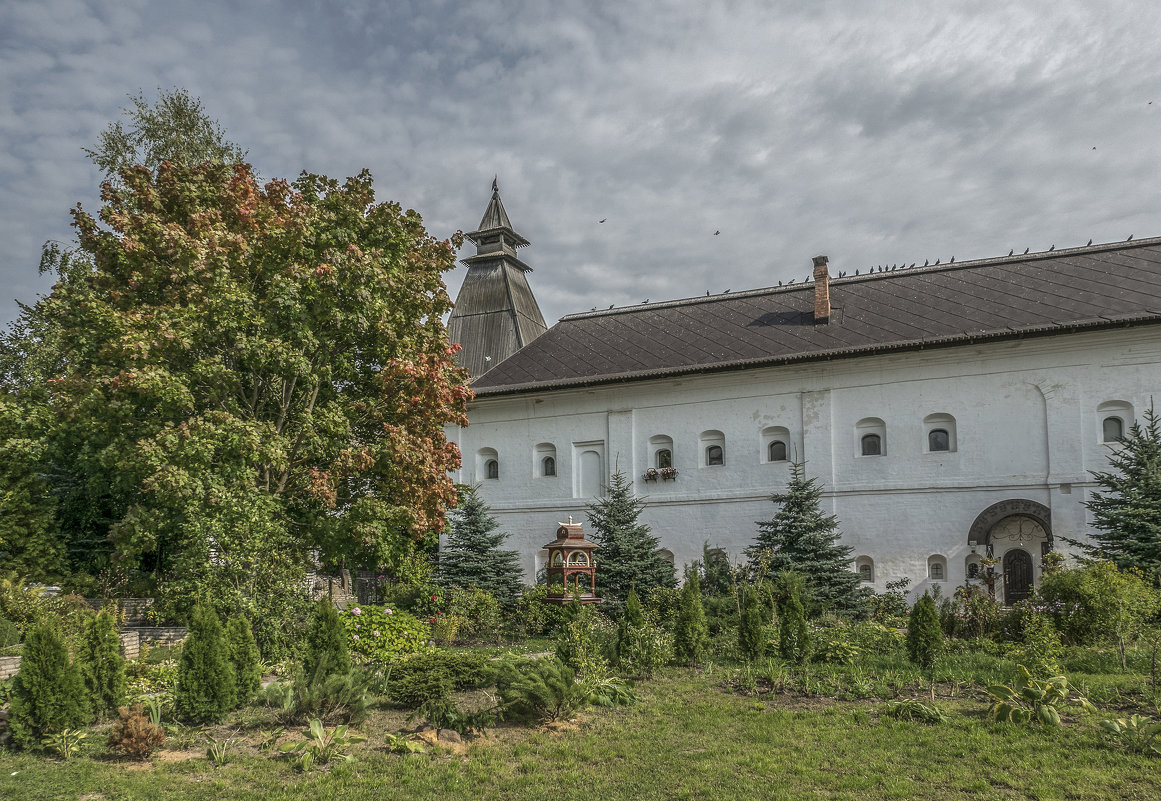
(849, 279)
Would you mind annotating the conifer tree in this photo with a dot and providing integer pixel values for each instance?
(924, 635)
(205, 676)
(629, 554)
(244, 658)
(48, 694)
(793, 635)
(801, 538)
(632, 620)
(1127, 514)
(751, 633)
(472, 556)
(690, 633)
(101, 664)
(326, 644)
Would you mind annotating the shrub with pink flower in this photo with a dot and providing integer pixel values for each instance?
(394, 633)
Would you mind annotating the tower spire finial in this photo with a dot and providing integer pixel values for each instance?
(495, 183)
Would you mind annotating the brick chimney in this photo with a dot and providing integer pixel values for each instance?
(821, 291)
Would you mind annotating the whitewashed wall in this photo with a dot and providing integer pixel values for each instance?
(1026, 426)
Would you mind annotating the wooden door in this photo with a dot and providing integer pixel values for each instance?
(1017, 576)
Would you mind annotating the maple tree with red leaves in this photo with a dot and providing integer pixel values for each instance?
(249, 375)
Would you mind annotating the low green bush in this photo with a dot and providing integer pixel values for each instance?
(331, 697)
(532, 617)
(415, 679)
(48, 694)
(588, 643)
(382, 634)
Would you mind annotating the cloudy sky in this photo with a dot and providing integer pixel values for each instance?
(873, 132)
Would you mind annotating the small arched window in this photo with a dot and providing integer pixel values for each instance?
(664, 458)
(872, 445)
(1114, 417)
(938, 440)
(713, 448)
(491, 469)
(578, 558)
(777, 452)
(714, 454)
(871, 437)
(1113, 429)
(548, 466)
(973, 570)
(865, 567)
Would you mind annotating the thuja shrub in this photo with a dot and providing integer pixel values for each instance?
(383, 634)
(48, 694)
(326, 641)
(205, 676)
(101, 664)
(751, 632)
(793, 634)
(924, 634)
(690, 635)
(134, 735)
(244, 659)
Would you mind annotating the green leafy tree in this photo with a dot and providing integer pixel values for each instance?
(629, 556)
(175, 129)
(244, 659)
(472, 556)
(1127, 512)
(751, 632)
(241, 375)
(793, 634)
(801, 538)
(924, 634)
(690, 632)
(48, 694)
(206, 688)
(101, 664)
(326, 644)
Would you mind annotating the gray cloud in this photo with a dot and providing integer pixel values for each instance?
(872, 131)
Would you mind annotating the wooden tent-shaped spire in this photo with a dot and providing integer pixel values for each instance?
(495, 313)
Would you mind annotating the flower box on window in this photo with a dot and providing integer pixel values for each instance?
(652, 474)
(668, 473)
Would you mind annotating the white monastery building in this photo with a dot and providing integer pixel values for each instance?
(951, 412)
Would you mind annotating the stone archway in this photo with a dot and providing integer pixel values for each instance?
(1016, 534)
(981, 530)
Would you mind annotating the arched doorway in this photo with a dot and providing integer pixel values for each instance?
(1010, 539)
(1018, 580)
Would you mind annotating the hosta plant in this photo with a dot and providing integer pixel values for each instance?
(66, 743)
(1138, 734)
(404, 744)
(322, 745)
(1032, 700)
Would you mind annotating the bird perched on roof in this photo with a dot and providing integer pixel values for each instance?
(926, 262)
(726, 292)
(791, 281)
(856, 272)
(937, 262)
(779, 284)
(1026, 251)
(952, 260)
(1130, 239)
(1088, 243)
(716, 233)
(644, 301)
(1010, 252)
(842, 274)
(912, 264)
(611, 305)
(1052, 247)
(602, 220)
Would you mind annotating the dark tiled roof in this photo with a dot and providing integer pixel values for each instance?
(1089, 287)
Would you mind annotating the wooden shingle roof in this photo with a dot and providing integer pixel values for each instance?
(1041, 293)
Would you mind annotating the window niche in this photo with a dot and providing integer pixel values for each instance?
(940, 432)
(487, 464)
(871, 437)
(660, 451)
(544, 465)
(1115, 419)
(865, 567)
(713, 448)
(937, 567)
(775, 444)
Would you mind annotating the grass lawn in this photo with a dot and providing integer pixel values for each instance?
(688, 737)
